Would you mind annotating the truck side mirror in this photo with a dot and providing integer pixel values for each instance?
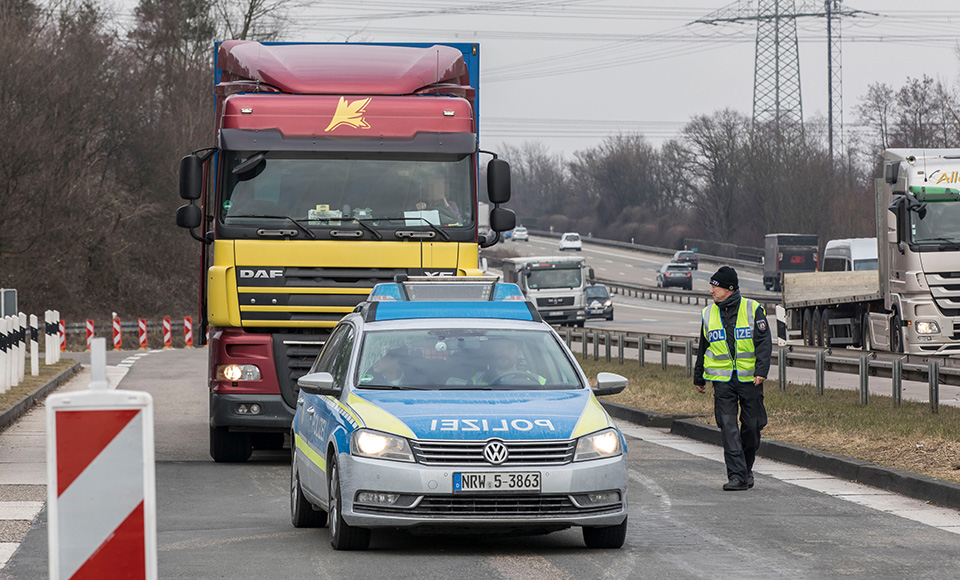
(498, 182)
(593, 277)
(502, 219)
(191, 177)
(898, 208)
(189, 216)
(892, 173)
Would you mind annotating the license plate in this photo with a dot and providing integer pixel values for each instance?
(555, 313)
(519, 481)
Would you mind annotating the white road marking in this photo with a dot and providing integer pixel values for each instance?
(885, 501)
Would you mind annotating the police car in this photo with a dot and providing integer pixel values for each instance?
(449, 406)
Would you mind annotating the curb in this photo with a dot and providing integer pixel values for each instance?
(10, 415)
(922, 487)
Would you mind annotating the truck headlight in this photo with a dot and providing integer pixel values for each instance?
(234, 372)
(601, 444)
(927, 327)
(378, 445)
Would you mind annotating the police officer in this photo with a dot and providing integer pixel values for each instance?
(734, 353)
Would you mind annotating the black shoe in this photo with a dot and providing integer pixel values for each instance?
(735, 484)
(750, 480)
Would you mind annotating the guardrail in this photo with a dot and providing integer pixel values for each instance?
(932, 370)
(681, 296)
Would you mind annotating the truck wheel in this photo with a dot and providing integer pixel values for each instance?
(896, 334)
(817, 329)
(342, 535)
(302, 512)
(807, 327)
(605, 537)
(825, 327)
(227, 447)
(865, 342)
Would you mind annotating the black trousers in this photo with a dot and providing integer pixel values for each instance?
(739, 443)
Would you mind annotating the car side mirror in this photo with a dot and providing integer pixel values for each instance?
(609, 384)
(317, 384)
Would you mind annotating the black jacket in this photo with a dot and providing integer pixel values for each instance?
(762, 342)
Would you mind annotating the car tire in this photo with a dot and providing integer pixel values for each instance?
(229, 447)
(605, 537)
(302, 512)
(342, 535)
(610, 318)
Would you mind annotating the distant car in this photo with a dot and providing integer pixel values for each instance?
(599, 304)
(452, 407)
(675, 275)
(686, 257)
(520, 234)
(570, 241)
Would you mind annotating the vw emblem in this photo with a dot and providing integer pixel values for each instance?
(495, 452)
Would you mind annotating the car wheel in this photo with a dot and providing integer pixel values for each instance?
(342, 535)
(302, 512)
(605, 537)
(227, 447)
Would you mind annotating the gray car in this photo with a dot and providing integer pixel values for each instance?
(675, 275)
(447, 416)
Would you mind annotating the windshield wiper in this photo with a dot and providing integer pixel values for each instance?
(280, 217)
(370, 229)
(440, 232)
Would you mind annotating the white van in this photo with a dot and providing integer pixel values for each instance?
(850, 254)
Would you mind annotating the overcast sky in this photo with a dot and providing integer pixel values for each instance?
(568, 73)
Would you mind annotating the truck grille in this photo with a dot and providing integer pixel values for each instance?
(494, 506)
(471, 452)
(294, 355)
(554, 301)
(945, 289)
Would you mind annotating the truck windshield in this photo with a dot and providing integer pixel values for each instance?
(554, 278)
(940, 224)
(323, 191)
(464, 358)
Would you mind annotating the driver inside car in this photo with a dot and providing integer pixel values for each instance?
(503, 367)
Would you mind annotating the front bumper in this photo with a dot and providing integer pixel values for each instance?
(274, 415)
(427, 499)
(563, 316)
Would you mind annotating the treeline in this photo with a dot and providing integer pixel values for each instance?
(94, 120)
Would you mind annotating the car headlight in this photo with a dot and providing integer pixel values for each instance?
(927, 327)
(377, 445)
(234, 372)
(607, 303)
(601, 444)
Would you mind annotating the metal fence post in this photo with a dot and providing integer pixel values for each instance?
(607, 345)
(896, 374)
(583, 343)
(569, 337)
(782, 368)
(933, 376)
(688, 356)
(864, 379)
(620, 341)
(821, 360)
(641, 347)
(596, 345)
(663, 353)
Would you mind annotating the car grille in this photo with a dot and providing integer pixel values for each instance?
(493, 506)
(471, 452)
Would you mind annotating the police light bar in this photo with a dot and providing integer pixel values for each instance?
(446, 289)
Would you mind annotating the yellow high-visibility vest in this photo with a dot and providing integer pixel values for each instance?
(718, 364)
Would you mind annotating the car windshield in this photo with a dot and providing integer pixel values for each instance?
(572, 237)
(320, 191)
(686, 255)
(597, 292)
(554, 278)
(866, 264)
(464, 358)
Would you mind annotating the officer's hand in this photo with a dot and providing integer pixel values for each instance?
(701, 388)
(759, 380)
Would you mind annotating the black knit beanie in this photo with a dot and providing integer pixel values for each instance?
(726, 278)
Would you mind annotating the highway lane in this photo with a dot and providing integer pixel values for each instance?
(232, 521)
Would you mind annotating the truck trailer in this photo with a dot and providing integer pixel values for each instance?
(783, 253)
(335, 167)
(911, 302)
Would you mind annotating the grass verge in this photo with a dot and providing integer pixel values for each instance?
(29, 384)
(908, 437)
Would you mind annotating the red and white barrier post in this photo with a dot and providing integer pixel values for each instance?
(34, 346)
(167, 333)
(89, 333)
(142, 332)
(117, 334)
(188, 331)
(101, 483)
(63, 336)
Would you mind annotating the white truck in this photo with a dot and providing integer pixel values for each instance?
(911, 303)
(555, 284)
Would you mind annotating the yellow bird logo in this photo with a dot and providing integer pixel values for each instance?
(349, 114)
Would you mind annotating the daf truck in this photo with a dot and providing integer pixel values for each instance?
(911, 302)
(334, 167)
(556, 285)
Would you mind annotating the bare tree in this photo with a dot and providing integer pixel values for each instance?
(255, 19)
